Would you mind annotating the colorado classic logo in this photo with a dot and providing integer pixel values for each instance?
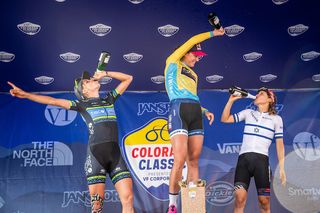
(105, 80)
(100, 29)
(59, 116)
(233, 30)
(132, 57)
(136, 1)
(159, 79)
(309, 56)
(219, 193)
(150, 158)
(70, 57)
(250, 57)
(168, 30)
(47, 153)
(214, 78)
(45, 80)
(29, 28)
(279, 2)
(307, 146)
(6, 57)
(267, 78)
(316, 77)
(297, 29)
(83, 197)
(209, 2)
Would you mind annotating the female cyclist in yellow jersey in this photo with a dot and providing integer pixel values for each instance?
(185, 117)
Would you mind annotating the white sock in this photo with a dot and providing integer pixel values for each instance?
(173, 199)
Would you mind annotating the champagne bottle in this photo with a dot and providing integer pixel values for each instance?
(214, 20)
(103, 61)
(237, 91)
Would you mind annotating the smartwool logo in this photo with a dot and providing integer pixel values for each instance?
(309, 56)
(45, 80)
(233, 30)
(59, 116)
(279, 2)
(100, 29)
(297, 29)
(70, 57)
(159, 79)
(250, 57)
(209, 2)
(29, 28)
(136, 1)
(132, 57)
(6, 57)
(267, 78)
(168, 30)
(214, 78)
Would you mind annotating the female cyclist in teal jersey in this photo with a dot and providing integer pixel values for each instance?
(103, 152)
(185, 123)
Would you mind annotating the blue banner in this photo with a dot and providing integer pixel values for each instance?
(43, 149)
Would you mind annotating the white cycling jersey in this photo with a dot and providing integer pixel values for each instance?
(259, 131)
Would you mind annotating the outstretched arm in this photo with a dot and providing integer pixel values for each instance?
(124, 78)
(184, 48)
(280, 153)
(19, 93)
(226, 117)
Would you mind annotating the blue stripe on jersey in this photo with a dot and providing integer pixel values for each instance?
(261, 136)
(237, 116)
(263, 127)
(234, 118)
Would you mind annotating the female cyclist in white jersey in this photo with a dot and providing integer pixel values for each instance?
(261, 126)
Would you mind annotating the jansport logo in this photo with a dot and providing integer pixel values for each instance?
(150, 157)
(250, 57)
(233, 30)
(59, 116)
(297, 29)
(70, 57)
(45, 80)
(219, 193)
(136, 1)
(209, 2)
(316, 77)
(214, 78)
(309, 56)
(307, 146)
(105, 80)
(83, 197)
(159, 79)
(229, 148)
(47, 153)
(6, 57)
(100, 29)
(132, 57)
(168, 30)
(161, 108)
(267, 78)
(279, 2)
(29, 28)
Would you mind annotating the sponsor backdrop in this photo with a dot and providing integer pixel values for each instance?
(43, 148)
(44, 45)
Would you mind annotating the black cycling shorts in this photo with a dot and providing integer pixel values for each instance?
(253, 165)
(185, 117)
(103, 158)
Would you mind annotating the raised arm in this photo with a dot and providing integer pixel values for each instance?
(226, 117)
(124, 78)
(19, 93)
(184, 48)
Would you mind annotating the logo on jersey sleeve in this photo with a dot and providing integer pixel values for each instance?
(150, 157)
